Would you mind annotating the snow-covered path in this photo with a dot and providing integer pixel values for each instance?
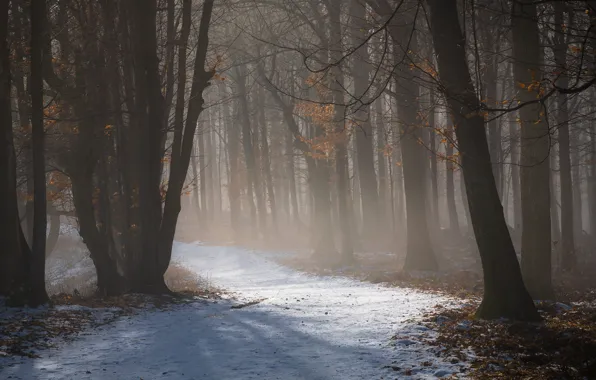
(307, 327)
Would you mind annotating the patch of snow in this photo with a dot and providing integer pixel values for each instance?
(464, 325)
(561, 306)
(69, 229)
(77, 264)
(305, 327)
(442, 373)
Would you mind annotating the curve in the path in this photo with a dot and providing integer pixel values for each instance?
(306, 327)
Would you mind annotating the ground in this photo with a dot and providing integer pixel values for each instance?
(563, 346)
(276, 323)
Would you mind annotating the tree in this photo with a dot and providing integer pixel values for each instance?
(567, 245)
(14, 252)
(535, 149)
(341, 130)
(420, 254)
(363, 128)
(180, 156)
(23, 270)
(38, 251)
(505, 294)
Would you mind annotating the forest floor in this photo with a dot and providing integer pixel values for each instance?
(73, 307)
(274, 323)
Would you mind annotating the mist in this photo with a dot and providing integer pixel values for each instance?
(254, 155)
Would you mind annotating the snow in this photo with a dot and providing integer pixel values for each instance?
(305, 327)
(77, 263)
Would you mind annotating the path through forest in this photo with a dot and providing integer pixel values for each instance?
(305, 327)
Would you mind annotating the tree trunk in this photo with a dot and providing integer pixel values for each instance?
(218, 158)
(356, 204)
(535, 148)
(363, 128)
(292, 179)
(209, 165)
(450, 185)
(504, 292)
(464, 198)
(434, 186)
(420, 255)
(554, 207)
(37, 259)
(265, 159)
(341, 154)
(195, 188)
(575, 144)
(259, 184)
(13, 254)
(233, 184)
(54, 232)
(145, 159)
(515, 180)
(203, 175)
(181, 154)
(21, 79)
(397, 179)
(109, 281)
(249, 154)
(592, 177)
(381, 165)
(322, 240)
(494, 129)
(567, 243)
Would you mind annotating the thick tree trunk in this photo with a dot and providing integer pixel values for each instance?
(504, 292)
(535, 180)
(13, 252)
(494, 129)
(109, 281)
(21, 77)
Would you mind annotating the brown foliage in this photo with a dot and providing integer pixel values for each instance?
(561, 347)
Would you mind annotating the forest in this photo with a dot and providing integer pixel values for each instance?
(294, 167)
